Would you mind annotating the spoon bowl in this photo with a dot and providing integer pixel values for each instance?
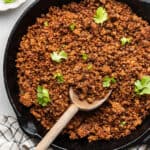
(84, 105)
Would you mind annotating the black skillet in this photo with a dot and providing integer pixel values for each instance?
(27, 122)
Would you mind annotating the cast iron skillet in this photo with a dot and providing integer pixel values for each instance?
(27, 122)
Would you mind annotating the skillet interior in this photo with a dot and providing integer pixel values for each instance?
(26, 120)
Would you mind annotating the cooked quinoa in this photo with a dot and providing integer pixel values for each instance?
(124, 110)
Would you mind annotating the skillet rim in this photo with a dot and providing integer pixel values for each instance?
(18, 115)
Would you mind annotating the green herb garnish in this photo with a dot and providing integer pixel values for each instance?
(125, 41)
(57, 57)
(142, 87)
(59, 77)
(46, 23)
(122, 124)
(9, 1)
(64, 45)
(101, 15)
(107, 81)
(72, 26)
(43, 96)
(89, 66)
(84, 56)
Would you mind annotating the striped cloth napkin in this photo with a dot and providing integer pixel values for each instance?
(12, 137)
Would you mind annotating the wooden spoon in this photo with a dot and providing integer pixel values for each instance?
(67, 116)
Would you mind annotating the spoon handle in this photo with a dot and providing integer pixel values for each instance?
(57, 128)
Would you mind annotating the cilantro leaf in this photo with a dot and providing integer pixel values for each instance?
(59, 77)
(57, 57)
(9, 1)
(122, 124)
(125, 41)
(107, 81)
(43, 96)
(72, 26)
(89, 66)
(142, 87)
(46, 23)
(84, 56)
(101, 15)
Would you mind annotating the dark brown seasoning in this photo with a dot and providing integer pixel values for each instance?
(108, 58)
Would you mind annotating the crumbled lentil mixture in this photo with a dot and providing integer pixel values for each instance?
(124, 110)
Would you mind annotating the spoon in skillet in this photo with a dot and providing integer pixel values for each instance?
(67, 116)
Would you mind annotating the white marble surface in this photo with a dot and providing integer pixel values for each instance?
(7, 21)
